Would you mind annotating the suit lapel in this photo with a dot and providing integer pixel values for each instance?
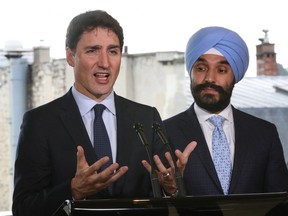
(241, 146)
(123, 138)
(73, 122)
(201, 151)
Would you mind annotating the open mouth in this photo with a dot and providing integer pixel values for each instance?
(102, 76)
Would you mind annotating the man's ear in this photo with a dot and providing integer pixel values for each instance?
(69, 57)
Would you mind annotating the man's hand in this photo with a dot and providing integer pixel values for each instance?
(183, 157)
(88, 180)
(166, 176)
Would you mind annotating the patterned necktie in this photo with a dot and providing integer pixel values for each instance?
(221, 153)
(101, 140)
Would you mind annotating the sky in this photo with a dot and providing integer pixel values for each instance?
(149, 25)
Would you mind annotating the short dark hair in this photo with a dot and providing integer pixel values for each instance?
(88, 21)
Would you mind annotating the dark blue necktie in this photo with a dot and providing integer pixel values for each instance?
(221, 153)
(101, 139)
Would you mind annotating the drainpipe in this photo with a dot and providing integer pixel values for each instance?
(18, 98)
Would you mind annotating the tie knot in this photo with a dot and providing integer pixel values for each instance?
(98, 109)
(217, 120)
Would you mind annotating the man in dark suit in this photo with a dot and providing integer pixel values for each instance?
(216, 59)
(55, 158)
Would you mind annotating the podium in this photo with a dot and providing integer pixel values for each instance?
(264, 204)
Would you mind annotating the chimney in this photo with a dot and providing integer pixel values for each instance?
(266, 57)
(41, 54)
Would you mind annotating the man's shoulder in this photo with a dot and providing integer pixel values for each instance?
(186, 115)
(53, 104)
(247, 118)
(128, 103)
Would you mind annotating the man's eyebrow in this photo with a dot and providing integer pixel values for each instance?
(224, 62)
(97, 46)
(200, 59)
(93, 47)
(114, 46)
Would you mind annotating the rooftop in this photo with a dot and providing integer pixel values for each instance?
(261, 92)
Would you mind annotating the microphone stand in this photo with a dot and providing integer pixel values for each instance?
(153, 175)
(178, 176)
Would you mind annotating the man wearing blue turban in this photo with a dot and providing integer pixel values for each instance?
(227, 42)
(243, 154)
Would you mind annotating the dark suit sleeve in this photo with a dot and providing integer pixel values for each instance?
(46, 158)
(276, 173)
(33, 172)
(259, 164)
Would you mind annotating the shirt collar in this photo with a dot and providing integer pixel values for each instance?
(85, 103)
(203, 115)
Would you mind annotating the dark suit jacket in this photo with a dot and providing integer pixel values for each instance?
(46, 154)
(259, 164)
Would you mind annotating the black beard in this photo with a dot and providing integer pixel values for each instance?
(208, 102)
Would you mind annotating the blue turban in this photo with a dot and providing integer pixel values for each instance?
(227, 42)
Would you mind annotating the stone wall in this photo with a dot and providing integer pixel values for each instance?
(47, 81)
(5, 140)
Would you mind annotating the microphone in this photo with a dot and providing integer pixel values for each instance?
(178, 177)
(153, 175)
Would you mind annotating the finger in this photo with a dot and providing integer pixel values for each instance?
(95, 167)
(189, 148)
(159, 164)
(146, 165)
(187, 151)
(183, 157)
(105, 177)
(120, 172)
(110, 170)
(169, 159)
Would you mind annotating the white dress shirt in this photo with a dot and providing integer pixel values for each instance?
(86, 105)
